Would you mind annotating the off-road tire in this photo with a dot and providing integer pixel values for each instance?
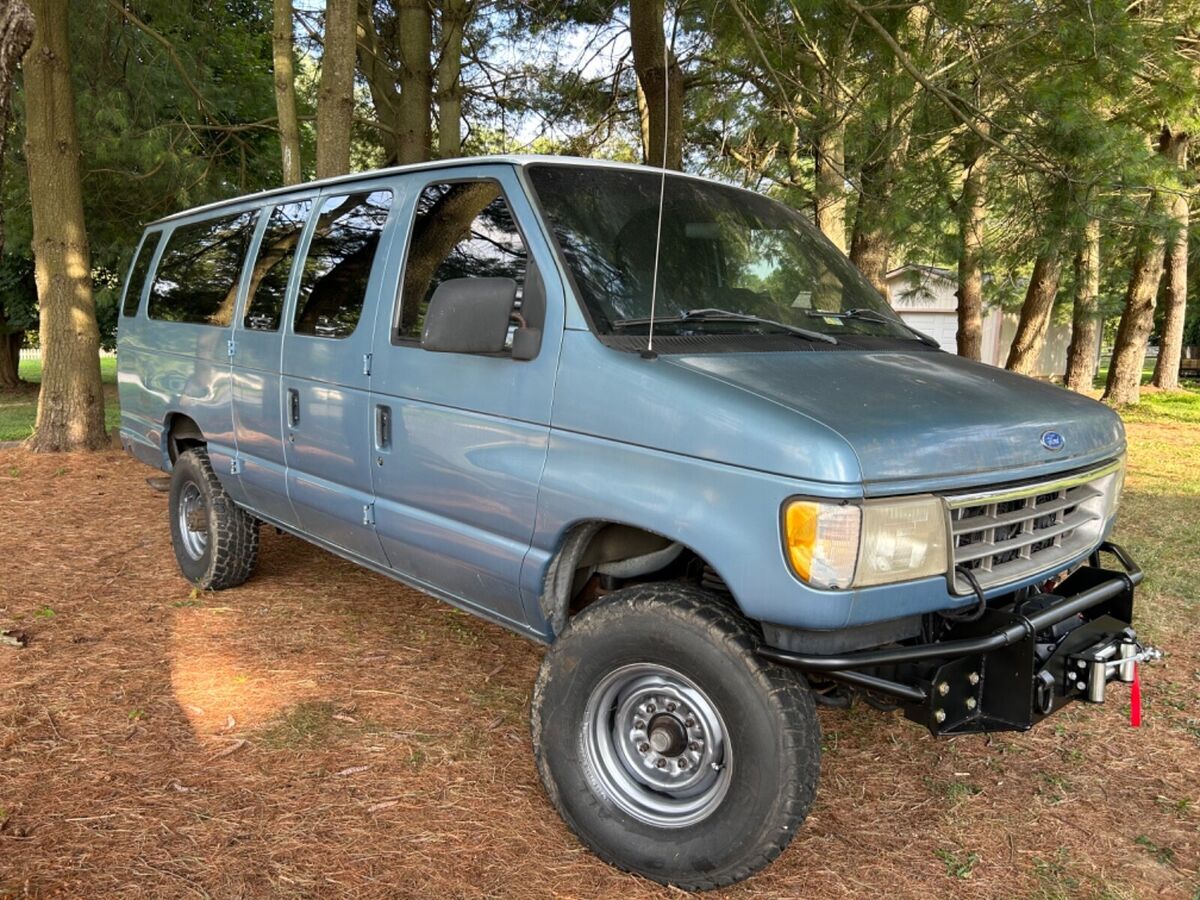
(231, 549)
(771, 720)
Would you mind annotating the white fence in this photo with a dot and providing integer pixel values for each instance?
(35, 354)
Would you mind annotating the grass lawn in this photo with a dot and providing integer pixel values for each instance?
(18, 409)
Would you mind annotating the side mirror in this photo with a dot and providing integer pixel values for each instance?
(469, 315)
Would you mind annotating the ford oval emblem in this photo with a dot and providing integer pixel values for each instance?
(1052, 440)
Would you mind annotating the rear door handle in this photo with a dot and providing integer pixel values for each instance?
(383, 427)
(293, 407)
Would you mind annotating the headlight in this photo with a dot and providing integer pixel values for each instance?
(834, 545)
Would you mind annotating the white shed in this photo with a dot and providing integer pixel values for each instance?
(925, 298)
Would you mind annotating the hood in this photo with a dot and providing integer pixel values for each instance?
(926, 420)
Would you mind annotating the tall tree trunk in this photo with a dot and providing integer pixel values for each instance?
(1035, 312)
(870, 242)
(972, 216)
(285, 91)
(449, 71)
(1170, 351)
(1085, 316)
(381, 82)
(829, 157)
(889, 134)
(1124, 385)
(70, 412)
(16, 34)
(416, 80)
(661, 80)
(11, 343)
(335, 95)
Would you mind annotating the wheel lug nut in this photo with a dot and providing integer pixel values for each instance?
(662, 763)
(643, 747)
(690, 723)
(670, 707)
(639, 724)
(649, 707)
(682, 763)
(694, 745)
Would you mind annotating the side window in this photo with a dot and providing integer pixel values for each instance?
(197, 278)
(137, 276)
(337, 266)
(461, 230)
(276, 253)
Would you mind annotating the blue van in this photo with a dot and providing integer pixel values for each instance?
(659, 424)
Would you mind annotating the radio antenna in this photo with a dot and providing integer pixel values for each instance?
(649, 353)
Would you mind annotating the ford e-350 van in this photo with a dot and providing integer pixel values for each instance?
(715, 473)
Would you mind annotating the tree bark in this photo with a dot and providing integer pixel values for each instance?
(1085, 316)
(1124, 385)
(16, 34)
(285, 91)
(1035, 312)
(829, 157)
(416, 80)
(70, 413)
(335, 95)
(11, 343)
(870, 242)
(972, 217)
(1170, 351)
(381, 82)
(449, 71)
(661, 80)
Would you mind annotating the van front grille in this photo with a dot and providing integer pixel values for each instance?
(1005, 535)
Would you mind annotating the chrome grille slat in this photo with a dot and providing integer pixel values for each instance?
(1023, 540)
(980, 523)
(1007, 534)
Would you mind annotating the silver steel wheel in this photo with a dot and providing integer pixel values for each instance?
(656, 746)
(193, 520)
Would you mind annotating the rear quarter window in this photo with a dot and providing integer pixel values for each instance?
(137, 275)
(197, 277)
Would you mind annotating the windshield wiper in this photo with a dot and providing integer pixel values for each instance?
(871, 315)
(711, 314)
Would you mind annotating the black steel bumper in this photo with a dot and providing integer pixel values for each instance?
(1011, 667)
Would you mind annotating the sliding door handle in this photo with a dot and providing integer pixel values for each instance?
(383, 427)
(293, 407)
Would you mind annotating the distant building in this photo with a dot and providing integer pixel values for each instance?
(925, 298)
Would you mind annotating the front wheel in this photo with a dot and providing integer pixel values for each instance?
(667, 744)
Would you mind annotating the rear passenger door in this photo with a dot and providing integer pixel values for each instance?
(257, 350)
(460, 439)
(326, 369)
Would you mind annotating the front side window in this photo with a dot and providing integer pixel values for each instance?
(731, 262)
(276, 253)
(197, 278)
(137, 276)
(337, 267)
(462, 230)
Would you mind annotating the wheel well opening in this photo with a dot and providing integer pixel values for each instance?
(597, 558)
(182, 434)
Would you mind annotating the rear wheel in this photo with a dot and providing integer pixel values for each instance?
(215, 540)
(667, 744)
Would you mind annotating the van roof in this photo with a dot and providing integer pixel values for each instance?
(510, 159)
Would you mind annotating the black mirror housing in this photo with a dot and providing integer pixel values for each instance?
(469, 315)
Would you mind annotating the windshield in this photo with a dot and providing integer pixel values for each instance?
(731, 262)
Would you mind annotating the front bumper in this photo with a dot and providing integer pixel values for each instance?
(1011, 667)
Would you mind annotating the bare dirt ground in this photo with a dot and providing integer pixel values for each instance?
(324, 731)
